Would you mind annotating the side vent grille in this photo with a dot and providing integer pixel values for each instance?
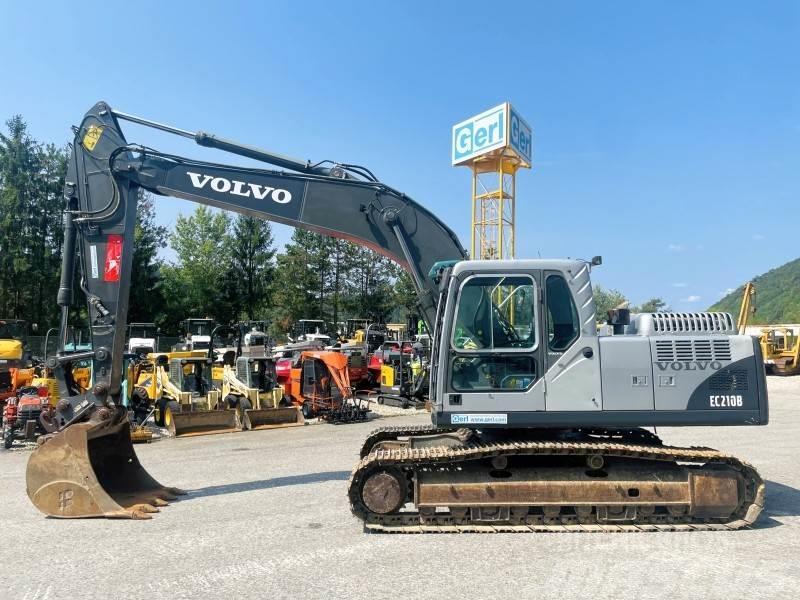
(692, 322)
(692, 350)
(732, 380)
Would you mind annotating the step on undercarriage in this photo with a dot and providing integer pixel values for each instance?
(421, 479)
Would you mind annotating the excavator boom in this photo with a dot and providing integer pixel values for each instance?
(105, 177)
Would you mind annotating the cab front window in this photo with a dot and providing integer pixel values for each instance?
(496, 312)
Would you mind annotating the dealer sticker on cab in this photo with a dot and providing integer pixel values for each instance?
(496, 419)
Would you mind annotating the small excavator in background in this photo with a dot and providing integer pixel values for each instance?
(538, 422)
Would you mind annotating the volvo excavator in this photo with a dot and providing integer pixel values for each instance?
(538, 422)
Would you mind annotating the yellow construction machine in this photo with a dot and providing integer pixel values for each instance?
(250, 384)
(189, 404)
(178, 386)
(780, 344)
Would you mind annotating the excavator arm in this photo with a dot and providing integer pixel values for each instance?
(106, 174)
(87, 466)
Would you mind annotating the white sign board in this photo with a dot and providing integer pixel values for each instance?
(496, 128)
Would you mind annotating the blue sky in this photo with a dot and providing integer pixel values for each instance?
(666, 134)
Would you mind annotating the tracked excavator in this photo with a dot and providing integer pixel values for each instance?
(538, 423)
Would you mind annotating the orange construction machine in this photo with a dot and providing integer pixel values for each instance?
(320, 384)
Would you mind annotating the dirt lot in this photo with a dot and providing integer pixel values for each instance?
(267, 516)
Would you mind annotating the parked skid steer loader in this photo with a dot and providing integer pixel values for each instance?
(189, 405)
(250, 384)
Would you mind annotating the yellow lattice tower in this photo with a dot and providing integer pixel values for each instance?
(495, 145)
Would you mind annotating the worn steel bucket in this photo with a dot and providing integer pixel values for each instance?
(91, 470)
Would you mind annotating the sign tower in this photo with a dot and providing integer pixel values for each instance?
(494, 145)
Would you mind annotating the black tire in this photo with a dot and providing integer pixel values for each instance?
(8, 437)
(171, 407)
(308, 410)
(158, 416)
(244, 404)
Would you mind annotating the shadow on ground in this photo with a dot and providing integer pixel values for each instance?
(265, 484)
(782, 500)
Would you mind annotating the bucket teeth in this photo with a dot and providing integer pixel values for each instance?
(143, 508)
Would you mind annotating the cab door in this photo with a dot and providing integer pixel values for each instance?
(570, 343)
(494, 355)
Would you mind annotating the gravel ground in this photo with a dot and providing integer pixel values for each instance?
(267, 516)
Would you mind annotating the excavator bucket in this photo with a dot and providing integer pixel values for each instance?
(203, 422)
(91, 470)
(273, 418)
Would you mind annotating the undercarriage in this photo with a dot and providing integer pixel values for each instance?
(421, 479)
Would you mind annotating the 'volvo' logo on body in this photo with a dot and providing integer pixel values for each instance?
(700, 365)
(240, 188)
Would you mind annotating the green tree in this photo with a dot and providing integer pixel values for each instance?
(605, 300)
(296, 283)
(31, 203)
(405, 296)
(252, 263)
(653, 305)
(147, 294)
(195, 285)
(370, 282)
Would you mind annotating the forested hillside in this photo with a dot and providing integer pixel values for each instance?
(777, 296)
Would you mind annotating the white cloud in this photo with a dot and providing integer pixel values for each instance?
(675, 248)
(679, 285)
(692, 299)
(758, 236)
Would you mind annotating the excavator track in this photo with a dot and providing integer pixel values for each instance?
(385, 434)
(391, 480)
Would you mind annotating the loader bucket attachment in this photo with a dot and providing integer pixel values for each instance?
(204, 422)
(273, 418)
(91, 470)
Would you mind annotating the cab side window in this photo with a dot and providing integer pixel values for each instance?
(563, 326)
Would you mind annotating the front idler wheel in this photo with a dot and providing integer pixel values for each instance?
(383, 492)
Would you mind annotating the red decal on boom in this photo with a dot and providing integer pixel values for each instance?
(113, 258)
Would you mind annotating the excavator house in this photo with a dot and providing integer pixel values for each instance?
(538, 422)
